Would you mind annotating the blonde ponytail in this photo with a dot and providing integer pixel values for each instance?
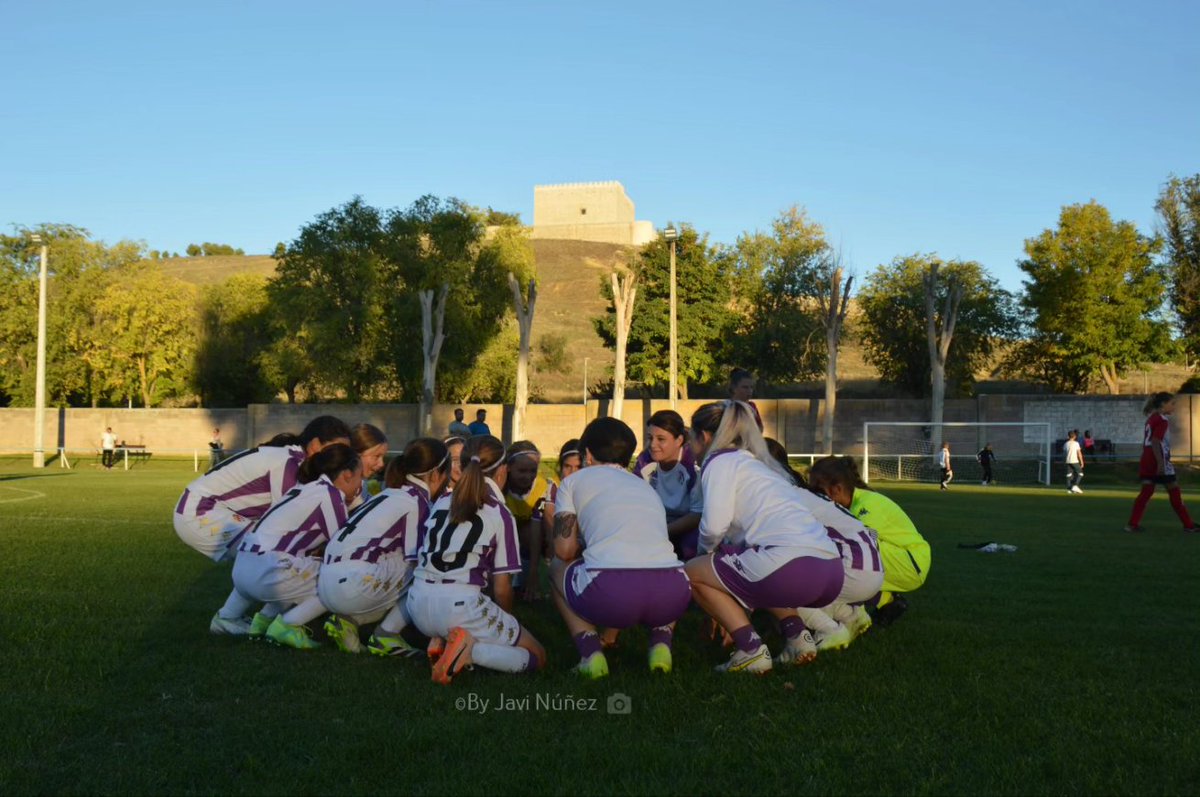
(737, 428)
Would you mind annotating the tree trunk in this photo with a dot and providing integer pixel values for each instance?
(939, 334)
(624, 294)
(524, 310)
(833, 317)
(145, 386)
(683, 389)
(831, 341)
(432, 319)
(1111, 379)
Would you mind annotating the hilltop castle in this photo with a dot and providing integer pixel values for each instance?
(588, 212)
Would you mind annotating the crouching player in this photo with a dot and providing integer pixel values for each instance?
(279, 559)
(786, 557)
(368, 563)
(905, 553)
(469, 543)
(629, 574)
(217, 508)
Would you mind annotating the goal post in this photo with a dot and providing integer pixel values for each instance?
(903, 451)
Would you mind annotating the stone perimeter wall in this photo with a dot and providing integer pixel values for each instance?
(796, 423)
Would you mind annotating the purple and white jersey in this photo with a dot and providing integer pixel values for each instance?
(247, 483)
(300, 523)
(857, 543)
(747, 503)
(621, 524)
(386, 525)
(678, 488)
(467, 554)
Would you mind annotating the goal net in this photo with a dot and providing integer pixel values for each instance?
(905, 451)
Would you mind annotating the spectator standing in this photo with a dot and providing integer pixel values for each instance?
(479, 425)
(216, 449)
(108, 447)
(1089, 443)
(457, 427)
(986, 457)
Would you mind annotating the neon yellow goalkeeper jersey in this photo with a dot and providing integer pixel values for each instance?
(886, 517)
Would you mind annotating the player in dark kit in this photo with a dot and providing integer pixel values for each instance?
(986, 457)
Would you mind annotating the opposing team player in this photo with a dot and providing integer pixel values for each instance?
(628, 574)
(905, 553)
(1155, 467)
(216, 508)
(368, 562)
(676, 482)
(468, 544)
(279, 559)
(530, 497)
(781, 558)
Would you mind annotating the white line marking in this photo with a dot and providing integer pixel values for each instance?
(30, 494)
(123, 521)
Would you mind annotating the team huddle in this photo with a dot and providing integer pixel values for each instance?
(437, 557)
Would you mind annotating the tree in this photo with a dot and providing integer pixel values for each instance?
(328, 287)
(704, 314)
(939, 334)
(524, 305)
(894, 326)
(1093, 295)
(624, 294)
(236, 329)
(193, 250)
(552, 354)
(1178, 209)
(833, 296)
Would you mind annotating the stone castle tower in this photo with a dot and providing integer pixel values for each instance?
(588, 212)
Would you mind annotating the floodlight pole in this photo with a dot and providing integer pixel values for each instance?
(39, 411)
(671, 234)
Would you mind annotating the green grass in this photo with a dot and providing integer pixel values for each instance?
(1067, 667)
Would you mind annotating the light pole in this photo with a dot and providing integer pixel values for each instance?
(585, 385)
(671, 235)
(39, 406)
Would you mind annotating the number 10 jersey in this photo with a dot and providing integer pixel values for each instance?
(467, 554)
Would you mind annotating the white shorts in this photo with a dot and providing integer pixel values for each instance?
(860, 585)
(436, 610)
(863, 565)
(274, 577)
(215, 533)
(356, 588)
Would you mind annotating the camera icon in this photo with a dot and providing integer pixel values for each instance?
(620, 703)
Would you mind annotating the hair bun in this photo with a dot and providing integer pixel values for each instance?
(475, 459)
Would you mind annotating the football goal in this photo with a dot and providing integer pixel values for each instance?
(904, 451)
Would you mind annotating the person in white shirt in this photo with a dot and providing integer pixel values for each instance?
(280, 558)
(781, 557)
(675, 478)
(1073, 454)
(368, 563)
(628, 573)
(944, 464)
(108, 448)
(470, 544)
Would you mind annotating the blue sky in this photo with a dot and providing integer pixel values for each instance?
(959, 128)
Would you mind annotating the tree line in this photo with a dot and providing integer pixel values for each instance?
(413, 304)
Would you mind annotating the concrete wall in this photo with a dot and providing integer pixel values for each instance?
(588, 212)
(797, 423)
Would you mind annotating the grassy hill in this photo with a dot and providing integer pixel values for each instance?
(569, 274)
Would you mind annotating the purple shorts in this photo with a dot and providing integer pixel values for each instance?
(627, 597)
(775, 578)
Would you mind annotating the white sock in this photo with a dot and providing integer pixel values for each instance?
(842, 612)
(394, 622)
(305, 611)
(500, 657)
(817, 620)
(236, 606)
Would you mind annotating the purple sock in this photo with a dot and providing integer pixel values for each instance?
(661, 635)
(587, 643)
(746, 639)
(532, 666)
(791, 627)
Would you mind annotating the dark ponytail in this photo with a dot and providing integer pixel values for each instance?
(781, 456)
(281, 440)
(481, 456)
(420, 456)
(324, 428)
(669, 421)
(330, 461)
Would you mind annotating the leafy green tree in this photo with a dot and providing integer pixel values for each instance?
(703, 311)
(1179, 219)
(1093, 296)
(329, 288)
(194, 250)
(236, 330)
(552, 354)
(894, 327)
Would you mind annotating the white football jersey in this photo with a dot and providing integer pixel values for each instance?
(621, 519)
(467, 554)
(386, 525)
(678, 488)
(247, 483)
(748, 503)
(300, 523)
(857, 543)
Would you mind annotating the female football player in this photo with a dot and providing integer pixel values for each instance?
(676, 482)
(782, 556)
(367, 567)
(569, 459)
(454, 447)
(218, 507)
(372, 445)
(468, 544)
(280, 558)
(530, 497)
(1155, 467)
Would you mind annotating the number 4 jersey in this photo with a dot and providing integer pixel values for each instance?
(467, 554)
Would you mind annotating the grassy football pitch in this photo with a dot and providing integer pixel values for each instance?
(1068, 667)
